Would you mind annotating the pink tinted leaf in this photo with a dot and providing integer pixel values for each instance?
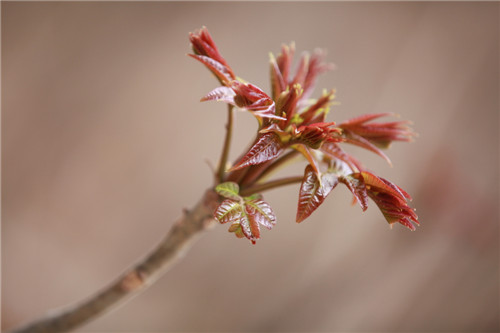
(313, 192)
(228, 211)
(268, 147)
(224, 94)
(260, 212)
(246, 227)
(268, 114)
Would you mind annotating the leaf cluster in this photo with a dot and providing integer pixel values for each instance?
(291, 124)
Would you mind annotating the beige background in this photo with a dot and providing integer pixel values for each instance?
(104, 142)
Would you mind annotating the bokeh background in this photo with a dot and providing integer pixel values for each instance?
(104, 141)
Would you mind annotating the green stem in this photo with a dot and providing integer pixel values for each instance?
(270, 185)
(227, 145)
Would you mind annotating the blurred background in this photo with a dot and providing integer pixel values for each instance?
(104, 141)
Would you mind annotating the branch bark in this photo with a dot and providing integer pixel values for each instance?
(136, 279)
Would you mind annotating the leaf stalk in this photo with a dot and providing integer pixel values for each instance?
(270, 185)
(227, 144)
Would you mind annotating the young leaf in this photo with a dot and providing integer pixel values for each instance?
(318, 109)
(224, 74)
(394, 210)
(357, 188)
(236, 228)
(390, 199)
(284, 60)
(228, 190)
(249, 229)
(355, 139)
(260, 212)
(224, 94)
(332, 149)
(252, 98)
(357, 121)
(380, 184)
(278, 85)
(379, 134)
(309, 155)
(268, 146)
(203, 44)
(317, 66)
(313, 192)
(245, 215)
(229, 211)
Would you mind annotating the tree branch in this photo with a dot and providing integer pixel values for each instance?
(135, 280)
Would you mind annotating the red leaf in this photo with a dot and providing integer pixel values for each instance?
(268, 147)
(332, 149)
(309, 155)
(204, 45)
(310, 115)
(317, 66)
(302, 70)
(314, 135)
(252, 98)
(248, 94)
(380, 184)
(353, 138)
(284, 60)
(357, 188)
(313, 192)
(394, 210)
(223, 73)
(390, 199)
(379, 134)
(278, 85)
(287, 103)
(364, 118)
